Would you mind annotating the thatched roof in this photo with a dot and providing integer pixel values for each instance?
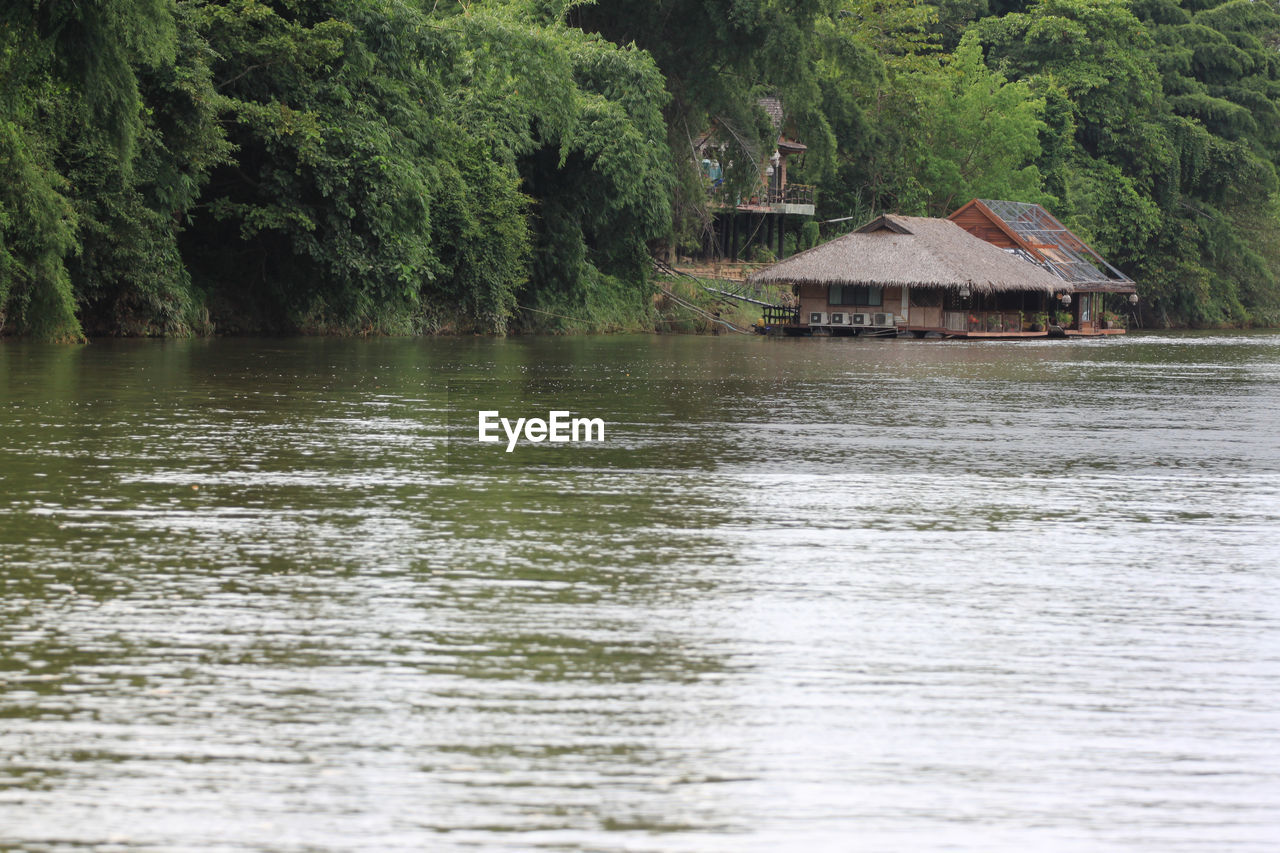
(914, 251)
(772, 108)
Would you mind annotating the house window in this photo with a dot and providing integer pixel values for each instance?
(1084, 307)
(851, 294)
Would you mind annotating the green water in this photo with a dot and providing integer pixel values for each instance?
(824, 595)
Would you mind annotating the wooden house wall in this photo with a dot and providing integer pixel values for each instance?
(816, 298)
(980, 225)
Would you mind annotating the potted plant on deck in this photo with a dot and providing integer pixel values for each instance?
(1062, 318)
(1112, 320)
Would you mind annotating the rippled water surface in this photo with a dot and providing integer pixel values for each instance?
(807, 595)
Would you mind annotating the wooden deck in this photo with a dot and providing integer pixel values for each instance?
(1068, 333)
(801, 330)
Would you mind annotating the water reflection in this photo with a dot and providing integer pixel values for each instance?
(889, 595)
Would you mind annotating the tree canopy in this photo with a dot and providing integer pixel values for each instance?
(403, 166)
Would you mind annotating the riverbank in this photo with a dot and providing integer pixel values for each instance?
(684, 303)
(674, 304)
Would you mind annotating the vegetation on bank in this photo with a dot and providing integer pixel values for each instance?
(691, 305)
(403, 166)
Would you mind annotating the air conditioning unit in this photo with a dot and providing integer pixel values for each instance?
(817, 318)
(859, 319)
(838, 318)
(882, 320)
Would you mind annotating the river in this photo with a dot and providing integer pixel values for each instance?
(817, 595)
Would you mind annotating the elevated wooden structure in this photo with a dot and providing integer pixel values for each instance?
(760, 215)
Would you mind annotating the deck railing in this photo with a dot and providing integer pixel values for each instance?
(991, 322)
(790, 194)
(780, 315)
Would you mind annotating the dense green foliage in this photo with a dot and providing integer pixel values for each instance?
(188, 166)
(322, 165)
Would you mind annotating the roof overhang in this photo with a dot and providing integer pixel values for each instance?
(1103, 287)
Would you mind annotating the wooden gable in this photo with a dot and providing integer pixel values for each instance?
(976, 218)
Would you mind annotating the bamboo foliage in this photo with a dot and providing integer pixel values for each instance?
(398, 166)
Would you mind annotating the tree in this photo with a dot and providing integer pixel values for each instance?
(977, 134)
(69, 69)
(928, 131)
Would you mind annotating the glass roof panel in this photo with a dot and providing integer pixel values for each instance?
(1065, 254)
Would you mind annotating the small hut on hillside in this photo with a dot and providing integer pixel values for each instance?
(915, 274)
(744, 222)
